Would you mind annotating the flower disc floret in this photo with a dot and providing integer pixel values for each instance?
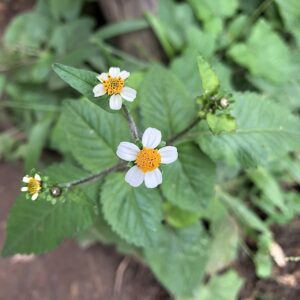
(113, 85)
(148, 159)
(33, 187)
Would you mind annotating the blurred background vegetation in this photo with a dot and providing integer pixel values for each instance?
(253, 45)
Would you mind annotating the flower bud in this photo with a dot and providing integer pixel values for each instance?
(55, 191)
(224, 103)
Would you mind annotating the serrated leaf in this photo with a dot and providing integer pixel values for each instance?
(265, 131)
(93, 135)
(189, 182)
(178, 259)
(82, 81)
(134, 213)
(165, 104)
(265, 54)
(38, 227)
(209, 79)
(221, 123)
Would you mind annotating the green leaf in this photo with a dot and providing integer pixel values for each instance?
(24, 33)
(210, 80)
(93, 135)
(134, 213)
(37, 227)
(224, 244)
(179, 218)
(221, 123)
(222, 287)
(244, 214)
(68, 9)
(178, 259)
(265, 131)
(290, 11)
(265, 54)
(165, 104)
(36, 142)
(82, 81)
(269, 186)
(112, 30)
(189, 182)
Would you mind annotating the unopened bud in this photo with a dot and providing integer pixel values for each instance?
(55, 191)
(224, 103)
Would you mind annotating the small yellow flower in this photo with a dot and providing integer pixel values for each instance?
(34, 186)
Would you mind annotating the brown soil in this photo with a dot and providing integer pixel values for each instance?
(68, 273)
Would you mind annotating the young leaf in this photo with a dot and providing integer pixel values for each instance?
(82, 81)
(178, 259)
(134, 213)
(265, 131)
(165, 104)
(221, 123)
(189, 182)
(210, 80)
(37, 227)
(93, 135)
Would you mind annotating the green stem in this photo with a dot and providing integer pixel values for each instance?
(131, 123)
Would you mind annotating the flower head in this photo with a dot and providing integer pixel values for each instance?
(33, 187)
(146, 160)
(113, 84)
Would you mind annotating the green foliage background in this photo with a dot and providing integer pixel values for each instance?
(232, 168)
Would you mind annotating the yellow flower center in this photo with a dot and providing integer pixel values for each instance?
(34, 185)
(113, 85)
(148, 159)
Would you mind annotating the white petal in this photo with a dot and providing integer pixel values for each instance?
(114, 72)
(34, 196)
(26, 179)
(115, 102)
(151, 138)
(99, 90)
(168, 154)
(102, 77)
(153, 178)
(24, 189)
(127, 151)
(128, 93)
(124, 75)
(37, 177)
(134, 176)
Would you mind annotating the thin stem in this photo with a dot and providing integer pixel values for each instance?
(95, 176)
(182, 133)
(131, 123)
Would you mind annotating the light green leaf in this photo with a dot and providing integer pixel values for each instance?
(165, 104)
(265, 54)
(189, 182)
(82, 81)
(210, 80)
(221, 123)
(290, 11)
(36, 142)
(265, 131)
(37, 227)
(27, 31)
(269, 186)
(68, 9)
(134, 213)
(222, 287)
(93, 134)
(178, 259)
(224, 244)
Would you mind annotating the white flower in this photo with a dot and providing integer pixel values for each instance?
(147, 160)
(34, 185)
(112, 83)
